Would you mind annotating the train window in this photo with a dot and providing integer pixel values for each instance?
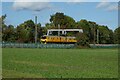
(44, 37)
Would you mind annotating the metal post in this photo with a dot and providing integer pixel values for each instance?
(47, 33)
(97, 36)
(58, 30)
(35, 29)
(94, 35)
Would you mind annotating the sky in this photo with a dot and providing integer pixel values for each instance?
(103, 13)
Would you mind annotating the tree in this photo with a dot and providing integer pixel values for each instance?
(63, 20)
(10, 34)
(111, 36)
(68, 22)
(26, 32)
(22, 33)
(39, 30)
(3, 26)
(82, 39)
(0, 28)
(117, 35)
(50, 26)
(58, 18)
(92, 32)
(2, 20)
(105, 35)
(89, 29)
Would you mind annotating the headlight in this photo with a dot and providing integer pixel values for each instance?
(43, 39)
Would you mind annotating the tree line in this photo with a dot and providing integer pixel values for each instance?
(92, 32)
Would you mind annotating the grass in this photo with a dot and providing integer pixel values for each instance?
(59, 63)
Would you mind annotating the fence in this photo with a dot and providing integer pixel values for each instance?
(39, 45)
(33, 45)
(104, 45)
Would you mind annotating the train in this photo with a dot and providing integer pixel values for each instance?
(58, 39)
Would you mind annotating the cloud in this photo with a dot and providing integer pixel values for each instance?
(103, 4)
(112, 8)
(33, 6)
(28, 0)
(75, 1)
(60, 0)
(109, 6)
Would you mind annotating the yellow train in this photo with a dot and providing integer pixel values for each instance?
(57, 39)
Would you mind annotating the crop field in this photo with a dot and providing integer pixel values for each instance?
(59, 63)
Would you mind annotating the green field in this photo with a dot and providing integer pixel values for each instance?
(59, 63)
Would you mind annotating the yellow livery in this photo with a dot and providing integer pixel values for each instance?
(57, 39)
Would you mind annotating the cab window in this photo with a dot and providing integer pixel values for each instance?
(44, 37)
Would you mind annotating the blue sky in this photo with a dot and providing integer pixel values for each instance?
(99, 12)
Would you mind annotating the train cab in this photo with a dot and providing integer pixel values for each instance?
(43, 39)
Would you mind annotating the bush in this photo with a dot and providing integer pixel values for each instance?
(82, 40)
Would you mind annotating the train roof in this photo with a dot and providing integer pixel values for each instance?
(61, 36)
